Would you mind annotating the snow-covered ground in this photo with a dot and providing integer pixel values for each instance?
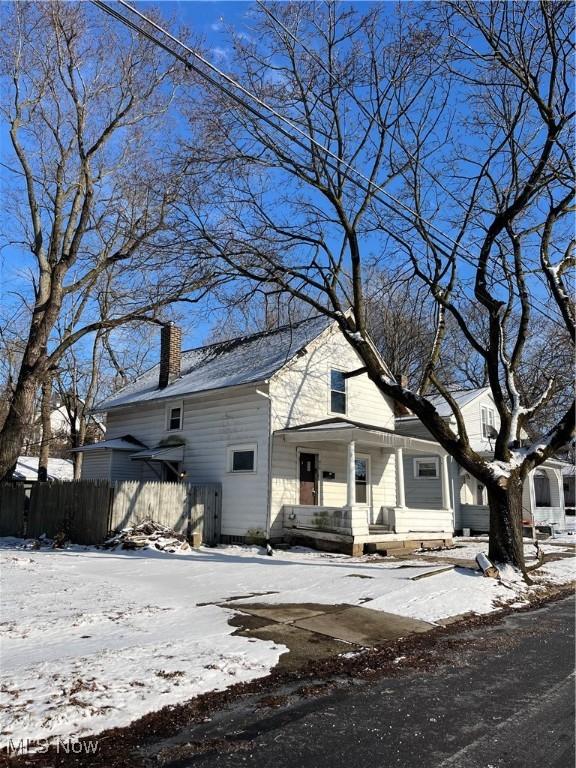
(92, 639)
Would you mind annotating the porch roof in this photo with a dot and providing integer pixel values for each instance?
(341, 430)
(160, 453)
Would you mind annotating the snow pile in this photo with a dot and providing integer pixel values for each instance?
(93, 639)
(148, 534)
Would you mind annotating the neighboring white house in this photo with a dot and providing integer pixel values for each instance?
(543, 493)
(303, 444)
(58, 469)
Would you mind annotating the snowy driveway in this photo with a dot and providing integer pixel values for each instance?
(93, 639)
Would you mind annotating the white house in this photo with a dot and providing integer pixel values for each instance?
(303, 444)
(58, 469)
(543, 493)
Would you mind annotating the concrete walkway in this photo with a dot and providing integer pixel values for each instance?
(313, 630)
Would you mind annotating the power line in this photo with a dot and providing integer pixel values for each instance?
(209, 78)
(358, 103)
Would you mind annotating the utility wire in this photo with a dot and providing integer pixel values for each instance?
(360, 105)
(371, 184)
(293, 126)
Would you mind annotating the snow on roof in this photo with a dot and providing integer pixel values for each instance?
(569, 471)
(125, 443)
(462, 397)
(243, 360)
(58, 469)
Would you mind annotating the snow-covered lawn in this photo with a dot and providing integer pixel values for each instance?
(92, 639)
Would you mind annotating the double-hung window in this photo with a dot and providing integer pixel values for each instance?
(337, 391)
(174, 417)
(488, 421)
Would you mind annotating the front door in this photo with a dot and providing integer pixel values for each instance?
(308, 478)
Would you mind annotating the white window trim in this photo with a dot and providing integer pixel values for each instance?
(426, 460)
(486, 409)
(329, 405)
(169, 407)
(230, 457)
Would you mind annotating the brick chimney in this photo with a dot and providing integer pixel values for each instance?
(170, 354)
(399, 409)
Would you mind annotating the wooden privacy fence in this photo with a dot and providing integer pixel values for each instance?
(87, 510)
(188, 509)
(13, 503)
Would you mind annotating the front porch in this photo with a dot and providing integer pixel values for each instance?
(542, 501)
(352, 489)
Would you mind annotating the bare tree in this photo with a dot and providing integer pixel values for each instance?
(437, 139)
(87, 108)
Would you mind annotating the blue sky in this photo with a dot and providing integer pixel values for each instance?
(207, 20)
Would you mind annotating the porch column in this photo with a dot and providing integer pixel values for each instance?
(400, 493)
(445, 481)
(351, 478)
(532, 493)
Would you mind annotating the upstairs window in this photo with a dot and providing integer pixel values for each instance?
(426, 469)
(488, 421)
(174, 418)
(337, 392)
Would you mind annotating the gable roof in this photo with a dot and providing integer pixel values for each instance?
(243, 360)
(462, 397)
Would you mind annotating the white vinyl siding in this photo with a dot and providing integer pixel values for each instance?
(421, 492)
(96, 465)
(212, 424)
(300, 391)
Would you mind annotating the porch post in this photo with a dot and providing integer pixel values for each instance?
(351, 478)
(532, 493)
(445, 481)
(400, 493)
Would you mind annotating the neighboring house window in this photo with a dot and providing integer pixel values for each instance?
(425, 468)
(542, 490)
(480, 494)
(337, 392)
(174, 417)
(488, 421)
(242, 458)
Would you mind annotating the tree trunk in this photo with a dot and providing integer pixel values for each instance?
(20, 417)
(45, 444)
(506, 523)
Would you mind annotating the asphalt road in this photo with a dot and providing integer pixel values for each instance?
(505, 700)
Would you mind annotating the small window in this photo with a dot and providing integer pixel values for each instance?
(337, 392)
(174, 418)
(242, 458)
(426, 469)
(488, 421)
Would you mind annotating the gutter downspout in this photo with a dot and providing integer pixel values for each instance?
(269, 490)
